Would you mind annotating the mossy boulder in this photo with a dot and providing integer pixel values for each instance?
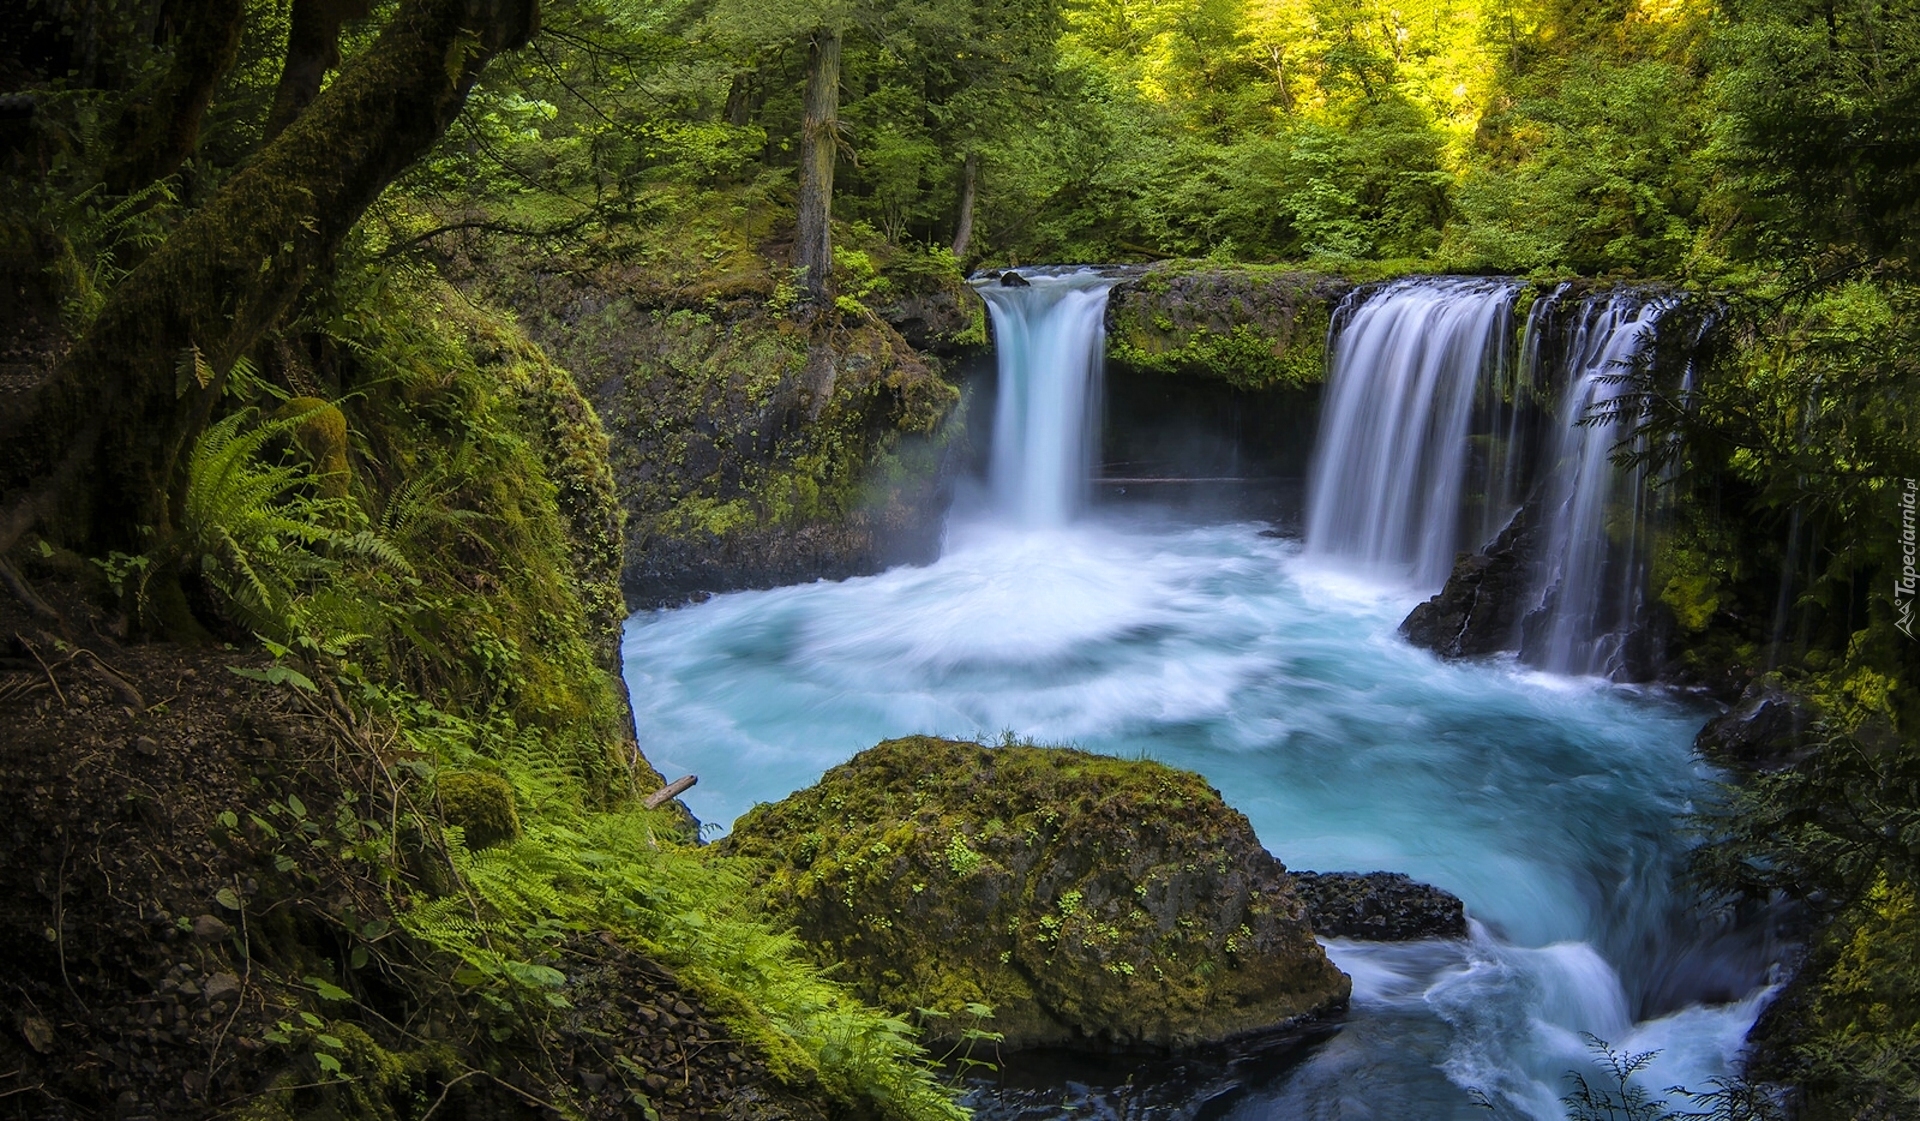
(320, 434)
(1253, 327)
(481, 805)
(1092, 902)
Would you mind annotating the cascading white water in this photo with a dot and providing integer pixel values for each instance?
(1049, 335)
(1591, 572)
(1547, 805)
(1390, 463)
(1512, 395)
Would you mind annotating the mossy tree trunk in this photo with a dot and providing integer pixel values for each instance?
(313, 48)
(103, 438)
(819, 138)
(159, 128)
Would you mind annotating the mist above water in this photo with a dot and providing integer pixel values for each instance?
(1549, 804)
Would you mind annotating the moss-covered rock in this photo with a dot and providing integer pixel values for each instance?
(1090, 901)
(320, 434)
(481, 805)
(1251, 326)
(751, 444)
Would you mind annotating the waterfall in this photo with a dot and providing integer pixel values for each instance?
(1509, 423)
(1390, 465)
(1432, 436)
(1591, 572)
(1049, 335)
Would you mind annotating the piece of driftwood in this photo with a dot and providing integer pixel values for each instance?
(670, 791)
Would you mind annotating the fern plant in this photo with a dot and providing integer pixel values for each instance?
(106, 237)
(629, 871)
(255, 530)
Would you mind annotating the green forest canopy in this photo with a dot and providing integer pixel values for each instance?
(1672, 138)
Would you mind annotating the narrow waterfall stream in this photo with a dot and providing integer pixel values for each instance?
(1594, 561)
(1047, 341)
(1550, 804)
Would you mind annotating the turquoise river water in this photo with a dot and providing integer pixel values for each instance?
(1553, 806)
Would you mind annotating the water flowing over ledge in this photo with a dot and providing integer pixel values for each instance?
(1390, 466)
(1434, 437)
(1049, 335)
(1548, 803)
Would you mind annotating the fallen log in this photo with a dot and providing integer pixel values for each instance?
(670, 791)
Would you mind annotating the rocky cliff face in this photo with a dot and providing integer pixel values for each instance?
(754, 442)
(1089, 901)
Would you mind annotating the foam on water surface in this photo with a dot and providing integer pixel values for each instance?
(1549, 805)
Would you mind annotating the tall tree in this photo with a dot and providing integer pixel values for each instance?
(159, 126)
(819, 147)
(313, 48)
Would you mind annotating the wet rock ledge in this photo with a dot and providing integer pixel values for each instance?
(1378, 906)
(1094, 903)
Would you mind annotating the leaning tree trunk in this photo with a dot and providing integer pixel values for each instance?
(102, 439)
(313, 48)
(963, 227)
(158, 130)
(819, 136)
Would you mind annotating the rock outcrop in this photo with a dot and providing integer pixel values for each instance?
(748, 448)
(1481, 608)
(1253, 327)
(753, 442)
(1092, 902)
(1378, 906)
(1766, 730)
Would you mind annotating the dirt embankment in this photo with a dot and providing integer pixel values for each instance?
(202, 878)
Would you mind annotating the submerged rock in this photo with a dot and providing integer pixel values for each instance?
(1766, 730)
(1092, 902)
(1011, 279)
(1378, 906)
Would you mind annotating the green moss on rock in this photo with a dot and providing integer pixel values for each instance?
(1252, 327)
(753, 442)
(481, 805)
(320, 433)
(1090, 901)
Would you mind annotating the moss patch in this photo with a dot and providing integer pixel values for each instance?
(1250, 326)
(320, 433)
(1087, 900)
(481, 805)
